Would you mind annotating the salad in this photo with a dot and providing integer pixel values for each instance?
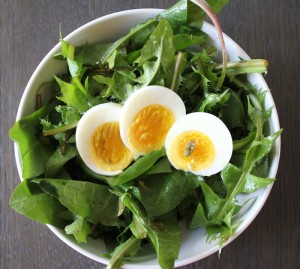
(91, 168)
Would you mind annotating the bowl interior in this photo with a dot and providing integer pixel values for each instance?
(109, 28)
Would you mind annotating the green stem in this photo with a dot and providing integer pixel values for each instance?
(238, 144)
(79, 85)
(248, 164)
(122, 251)
(242, 67)
(200, 66)
(247, 169)
(207, 9)
(61, 129)
(179, 60)
(71, 52)
(71, 57)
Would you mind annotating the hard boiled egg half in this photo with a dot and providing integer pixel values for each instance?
(99, 142)
(199, 143)
(147, 116)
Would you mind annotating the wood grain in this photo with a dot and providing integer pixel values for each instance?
(265, 29)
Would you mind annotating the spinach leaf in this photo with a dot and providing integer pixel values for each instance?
(28, 200)
(34, 148)
(93, 202)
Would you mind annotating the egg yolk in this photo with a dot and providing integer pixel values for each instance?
(107, 148)
(192, 151)
(149, 128)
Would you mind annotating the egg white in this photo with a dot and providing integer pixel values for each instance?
(93, 118)
(144, 97)
(211, 126)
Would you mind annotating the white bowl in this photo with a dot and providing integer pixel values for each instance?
(109, 28)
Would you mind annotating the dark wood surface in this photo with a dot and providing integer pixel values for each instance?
(267, 29)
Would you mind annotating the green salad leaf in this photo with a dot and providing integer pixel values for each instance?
(93, 202)
(30, 201)
(163, 232)
(140, 166)
(157, 55)
(159, 192)
(80, 228)
(58, 159)
(34, 148)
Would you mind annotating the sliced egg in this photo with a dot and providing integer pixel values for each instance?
(147, 116)
(99, 142)
(199, 143)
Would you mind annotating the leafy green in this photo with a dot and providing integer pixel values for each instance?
(183, 16)
(217, 5)
(34, 148)
(80, 229)
(89, 55)
(58, 159)
(198, 218)
(161, 166)
(163, 232)
(93, 202)
(211, 100)
(157, 55)
(135, 30)
(73, 95)
(251, 182)
(122, 84)
(139, 167)
(123, 251)
(233, 113)
(159, 192)
(31, 202)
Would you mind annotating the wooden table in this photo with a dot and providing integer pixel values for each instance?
(265, 29)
